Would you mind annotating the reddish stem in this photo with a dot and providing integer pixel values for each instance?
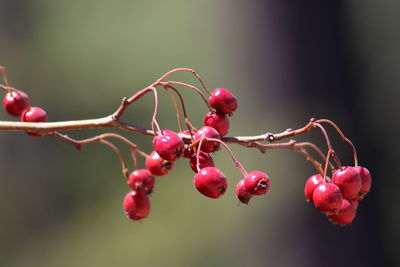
(3, 71)
(344, 138)
(328, 143)
(237, 163)
(178, 114)
(123, 163)
(188, 86)
(188, 124)
(188, 70)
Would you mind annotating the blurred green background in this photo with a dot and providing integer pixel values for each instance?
(286, 61)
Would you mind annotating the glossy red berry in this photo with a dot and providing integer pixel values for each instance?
(15, 102)
(136, 206)
(241, 192)
(211, 182)
(365, 181)
(207, 132)
(218, 121)
(157, 165)
(311, 184)
(141, 181)
(34, 114)
(346, 214)
(257, 183)
(223, 101)
(327, 197)
(348, 180)
(205, 160)
(169, 145)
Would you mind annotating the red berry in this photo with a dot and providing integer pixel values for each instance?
(223, 101)
(327, 197)
(348, 180)
(243, 195)
(347, 213)
(211, 182)
(157, 165)
(205, 160)
(311, 184)
(34, 114)
(136, 206)
(188, 151)
(257, 183)
(15, 102)
(365, 181)
(141, 181)
(218, 121)
(207, 132)
(169, 145)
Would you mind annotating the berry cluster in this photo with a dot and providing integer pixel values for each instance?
(337, 197)
(170, 146)
(17, 104)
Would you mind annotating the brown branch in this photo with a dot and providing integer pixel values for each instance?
(113, 122)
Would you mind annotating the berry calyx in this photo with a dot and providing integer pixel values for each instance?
(15, 102)
(348, 180)
(365, 181)
(241, 192)
(223, 101)
(157, 165)
(34, 114)
(346, 214)
(207, 132)
(312, 182)
(211, 182)
(169, 145)
(327, 197)
(188, 152)
(141, 181)
(136, 206)
(218, 121)
(205, 160)
(257, 183)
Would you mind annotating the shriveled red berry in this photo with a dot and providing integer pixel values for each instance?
(169, 145)
(327, 197)
(346, 214)
(211, 182)
(136, 206)
(241, 192)
(218, 121)
(157, 165)
(365, 181)
(141, 181)
(207, 132)
(223, 101)
(15, 102)
(34, 114)
(312, 182)
(348, 180)
(257, 183)
(205, 160)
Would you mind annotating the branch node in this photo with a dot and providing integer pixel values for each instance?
(270, 137)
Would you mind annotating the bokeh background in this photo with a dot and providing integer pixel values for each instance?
(286, 61)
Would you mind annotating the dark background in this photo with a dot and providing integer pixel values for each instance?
(286, 61)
